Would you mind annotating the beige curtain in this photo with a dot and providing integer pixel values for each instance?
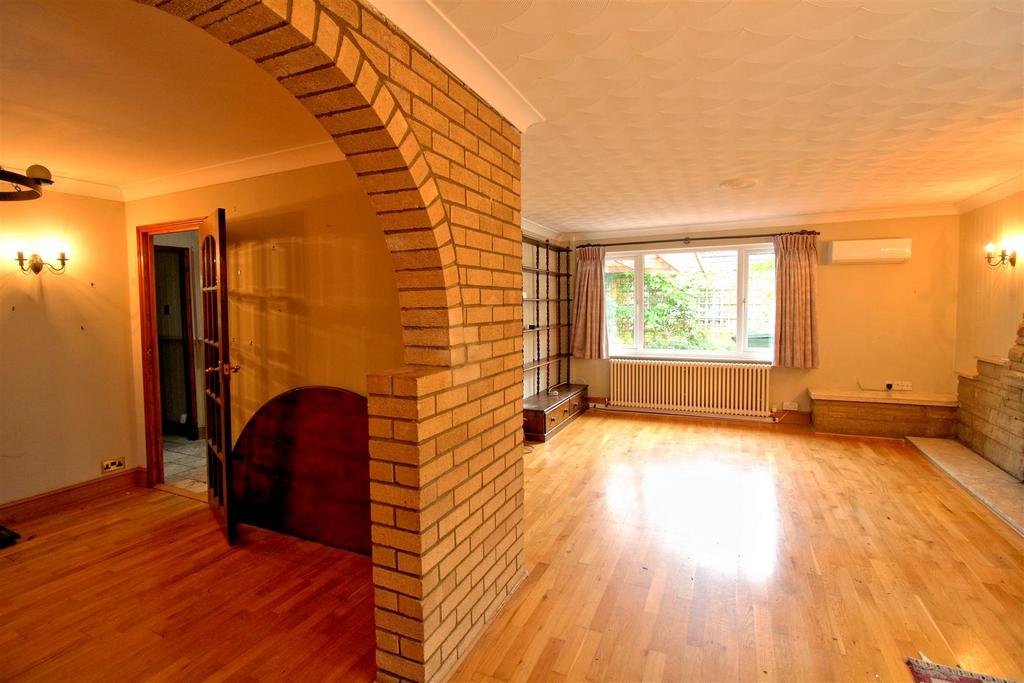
(796, 293)
(589, 335)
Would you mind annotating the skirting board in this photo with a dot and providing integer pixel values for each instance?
(793, 417)
(70, 496)
(787, 417)
(707, 416)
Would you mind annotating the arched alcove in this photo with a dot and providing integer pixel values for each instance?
(315, 53)
(441, 169)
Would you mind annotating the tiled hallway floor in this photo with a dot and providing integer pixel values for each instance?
(185, 463)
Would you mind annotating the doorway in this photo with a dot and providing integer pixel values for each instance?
(177, 316)
(197, 333)
(171, 325)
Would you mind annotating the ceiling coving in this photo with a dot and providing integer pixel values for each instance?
(831, 106)
(126, 101)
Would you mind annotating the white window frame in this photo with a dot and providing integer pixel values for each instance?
(742, 353)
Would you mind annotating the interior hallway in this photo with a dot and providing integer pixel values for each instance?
(659, 549)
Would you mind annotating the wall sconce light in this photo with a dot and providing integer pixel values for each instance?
(1003, 258)
(35, 263)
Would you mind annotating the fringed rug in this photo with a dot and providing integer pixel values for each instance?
(930, 672)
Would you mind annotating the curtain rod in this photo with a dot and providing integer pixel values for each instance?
(687, 240)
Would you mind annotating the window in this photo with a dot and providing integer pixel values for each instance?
(716, 302)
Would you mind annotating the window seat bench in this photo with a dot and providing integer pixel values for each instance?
(883, 413)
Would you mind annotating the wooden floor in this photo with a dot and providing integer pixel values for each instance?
(675, 550)
(658, 549)
(142, 586)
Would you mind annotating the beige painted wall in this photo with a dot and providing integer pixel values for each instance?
(989, 301)
(312, 294)
(313, 301)
(65, 373)
(877, 323)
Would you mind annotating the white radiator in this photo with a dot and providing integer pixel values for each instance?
(691, 387)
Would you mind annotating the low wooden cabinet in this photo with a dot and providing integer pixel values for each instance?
(545, 414)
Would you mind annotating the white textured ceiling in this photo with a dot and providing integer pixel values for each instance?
(120, 94)
(832, 106)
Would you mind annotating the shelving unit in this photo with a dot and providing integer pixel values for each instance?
(549, 400)
(546, 316)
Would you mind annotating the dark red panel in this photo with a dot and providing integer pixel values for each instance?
(302, 467)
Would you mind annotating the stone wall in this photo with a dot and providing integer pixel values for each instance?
(882, 419)
(990, 420)
(442, 171)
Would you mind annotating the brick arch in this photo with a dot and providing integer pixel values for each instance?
(442, 169)
(318, 53)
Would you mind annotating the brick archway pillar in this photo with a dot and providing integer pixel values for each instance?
(442, 171)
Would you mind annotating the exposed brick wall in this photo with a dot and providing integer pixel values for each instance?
(442, 170)
(990, 420)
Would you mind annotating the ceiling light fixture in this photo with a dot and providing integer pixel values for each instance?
(27, 186)
(738, 183)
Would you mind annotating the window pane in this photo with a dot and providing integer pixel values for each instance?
(760, 301)
(690, 301)
(619, 300)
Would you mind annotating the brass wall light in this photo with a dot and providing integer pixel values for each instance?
(35, 263)
(1005, 256)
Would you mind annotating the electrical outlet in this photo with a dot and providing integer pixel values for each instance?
(790, 405)
(903, 386)
(112, 465)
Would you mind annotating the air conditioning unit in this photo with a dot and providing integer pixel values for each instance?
(850, 252)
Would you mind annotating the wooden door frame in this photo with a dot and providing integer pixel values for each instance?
(188, 329)
(153, 415)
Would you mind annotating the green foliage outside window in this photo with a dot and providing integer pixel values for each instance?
(671, 312)
(691, 307)
(761, 302)
(618, 291)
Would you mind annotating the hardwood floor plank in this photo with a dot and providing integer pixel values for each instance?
(771, 554)
(141, 586)
(659, 549)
